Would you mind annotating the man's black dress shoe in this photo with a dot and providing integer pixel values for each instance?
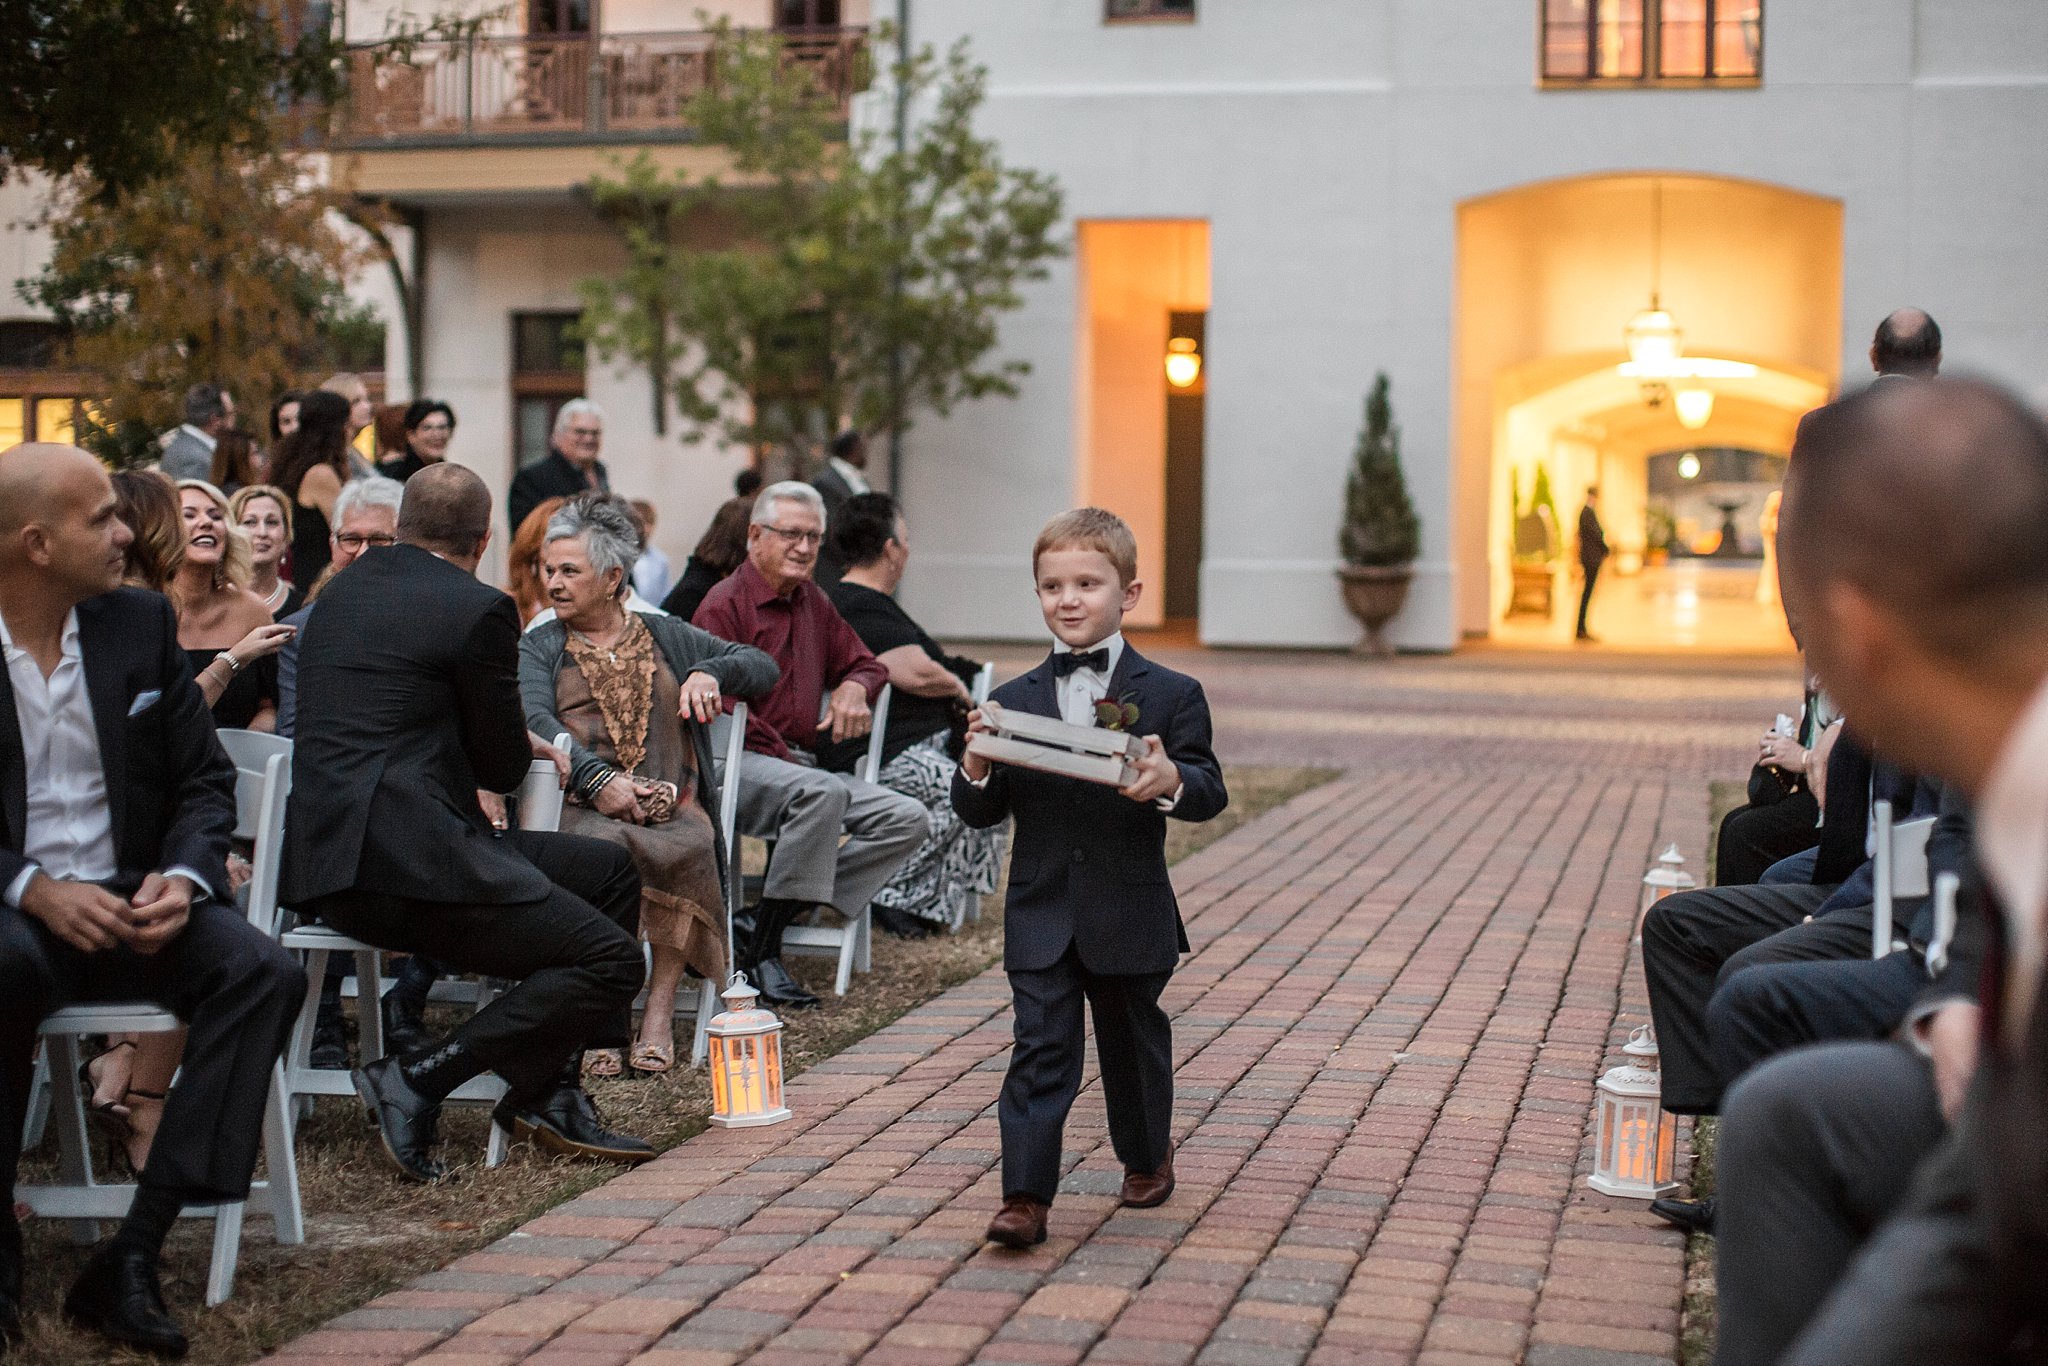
(407, 1121)
(117, 1296)
(779, 988)
(566, 1122)
(1694, 1216)
(330, 1044)
(404, 1030)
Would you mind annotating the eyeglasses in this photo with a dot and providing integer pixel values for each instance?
(359, 543)
(795, 537)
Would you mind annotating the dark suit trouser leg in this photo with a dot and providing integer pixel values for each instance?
(1817, 1148)
(237, 992)
(576, 966)
(1687, 938)
(1134, 1046)
(1752, 838)
(1586, 594)
(1044, 1075)
(1764, 1009)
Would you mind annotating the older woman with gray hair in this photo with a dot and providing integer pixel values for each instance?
(635, 692)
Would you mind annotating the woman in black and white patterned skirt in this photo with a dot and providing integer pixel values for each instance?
(927, 714)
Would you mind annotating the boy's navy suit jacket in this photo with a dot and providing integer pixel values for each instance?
(1089, 864)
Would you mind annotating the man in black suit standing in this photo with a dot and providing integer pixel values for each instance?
(1592, 554)
(408, 706)
(116, 806)
(570, 467)
(844, 476)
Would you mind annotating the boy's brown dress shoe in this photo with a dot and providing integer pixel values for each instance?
(1143, 1190)
(1021, 1223)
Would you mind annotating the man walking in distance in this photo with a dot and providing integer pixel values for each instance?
(116, 806)
(1592, 554)
(408, 705)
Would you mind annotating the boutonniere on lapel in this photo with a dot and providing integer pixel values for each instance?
(1118, 713)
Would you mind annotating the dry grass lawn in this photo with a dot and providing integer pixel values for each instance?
(366, 1232)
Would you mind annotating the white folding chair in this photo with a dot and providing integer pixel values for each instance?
(1901, 871)
(852, 940)
(263, 778)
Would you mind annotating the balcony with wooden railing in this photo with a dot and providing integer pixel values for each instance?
(551, 89)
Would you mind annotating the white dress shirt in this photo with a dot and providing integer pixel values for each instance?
(70, 830)
(1080, 690)
(2012, 838)
(855, 480)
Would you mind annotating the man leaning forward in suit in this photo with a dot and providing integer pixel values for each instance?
(408, 706)
(1091, 914)
(116, 807)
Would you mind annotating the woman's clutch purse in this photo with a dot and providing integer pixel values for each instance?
(658, 801)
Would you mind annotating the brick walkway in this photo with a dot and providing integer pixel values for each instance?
(1403, 984)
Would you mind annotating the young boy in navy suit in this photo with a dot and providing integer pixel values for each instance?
(1091, 915)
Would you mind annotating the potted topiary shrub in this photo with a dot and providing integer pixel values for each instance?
(1380, 536)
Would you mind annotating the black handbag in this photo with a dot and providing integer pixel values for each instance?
(1769, 785)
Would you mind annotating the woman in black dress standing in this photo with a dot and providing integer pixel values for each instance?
(311, 466)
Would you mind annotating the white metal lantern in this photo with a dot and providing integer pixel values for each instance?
(1636, 1145)
(746, 1060)
(1666, 875)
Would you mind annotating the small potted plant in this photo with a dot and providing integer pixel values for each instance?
(1380, 535)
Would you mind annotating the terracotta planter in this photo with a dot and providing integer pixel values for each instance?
(1375, 596)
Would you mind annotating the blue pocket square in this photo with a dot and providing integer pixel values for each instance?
(144, 701)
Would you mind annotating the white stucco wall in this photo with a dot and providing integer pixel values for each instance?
(1329, 143)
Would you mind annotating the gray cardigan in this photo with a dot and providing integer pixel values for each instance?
(741, 671)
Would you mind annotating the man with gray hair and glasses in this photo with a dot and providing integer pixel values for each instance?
(570, 467)
(828, 685)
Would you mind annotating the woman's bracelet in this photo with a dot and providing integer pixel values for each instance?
(228, 657)
(596, 784)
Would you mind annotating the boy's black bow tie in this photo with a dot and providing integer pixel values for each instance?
(1067, 661)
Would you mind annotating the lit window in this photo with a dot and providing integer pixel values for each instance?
(1650, 41)
(1117, 10)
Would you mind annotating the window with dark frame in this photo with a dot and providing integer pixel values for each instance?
(807, 13)
(547, 371)
(1118, 10)
(1598, 42)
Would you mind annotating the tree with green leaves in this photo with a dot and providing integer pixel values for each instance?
(229, 270)
(1380, 528)
(832, 280)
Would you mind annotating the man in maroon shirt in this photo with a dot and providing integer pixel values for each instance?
(829, 679)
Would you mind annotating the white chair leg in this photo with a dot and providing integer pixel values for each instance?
(74, 1143)
(287, 1214)
(500, 1144)
(38, 1116)
(849, 949)
(700, 1037)
(227, 1250)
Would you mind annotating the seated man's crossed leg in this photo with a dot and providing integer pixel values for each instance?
(806, 811)
(575, 962)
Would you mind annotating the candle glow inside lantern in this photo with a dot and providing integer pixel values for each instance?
(746, 1060)
(1635, 1146)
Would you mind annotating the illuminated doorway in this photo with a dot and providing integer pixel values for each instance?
(1569, 377)
(1144, 374)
